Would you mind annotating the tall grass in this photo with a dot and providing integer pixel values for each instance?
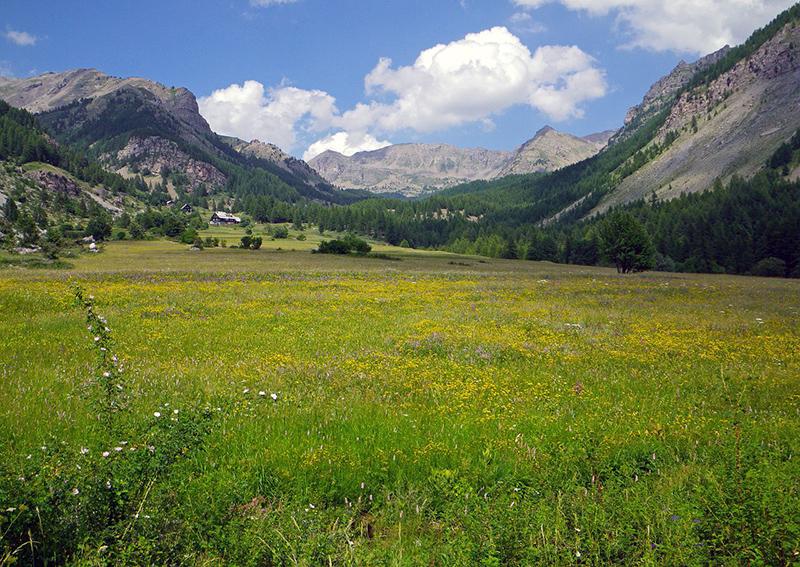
(287, 409)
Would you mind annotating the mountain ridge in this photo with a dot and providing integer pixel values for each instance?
(415, 169)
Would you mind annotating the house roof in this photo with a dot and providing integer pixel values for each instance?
(222, 215)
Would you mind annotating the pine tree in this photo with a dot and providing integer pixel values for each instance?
(10, 210)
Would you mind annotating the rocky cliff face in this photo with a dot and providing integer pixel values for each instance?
(730, 126)
(664, 91)
(550, 150)
(157, 155)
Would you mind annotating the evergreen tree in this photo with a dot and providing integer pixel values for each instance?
(10, 210)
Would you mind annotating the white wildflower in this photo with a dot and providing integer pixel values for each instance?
(84, 451)
(75, 491)
(106, 453)
(157, 414)
(274, 396)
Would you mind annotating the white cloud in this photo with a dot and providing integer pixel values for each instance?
(468, 81)
(346, 143)
(693, 26)
(21, 38)
(523, 22)
(474, 78)
(250, 111)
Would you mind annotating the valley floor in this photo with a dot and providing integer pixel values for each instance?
(289, 408)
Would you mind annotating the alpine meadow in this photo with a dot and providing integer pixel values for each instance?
(339, 312)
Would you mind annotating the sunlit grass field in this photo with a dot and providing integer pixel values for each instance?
(289, 408)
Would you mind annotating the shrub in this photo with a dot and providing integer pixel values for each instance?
(348, 244)
(770, 268)
(333, 247)
(280, 232)
(188, 236)
(255, 244)
(247, 240)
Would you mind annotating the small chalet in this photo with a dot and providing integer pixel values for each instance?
(187, 208)
(221, 217)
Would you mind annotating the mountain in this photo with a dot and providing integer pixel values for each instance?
(663, 92)
(138, 127)
(410, 169)
(273, 154)
(727, 125)
(550, 150)
(416, 169)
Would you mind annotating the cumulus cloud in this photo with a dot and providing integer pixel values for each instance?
(346, 143)
(251, 111)
(21, 38)
(467, 81)
(693, 26)
(473, 78)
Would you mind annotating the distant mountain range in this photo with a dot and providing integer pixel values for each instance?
(720, 116)
(135, 125)
(415, 169)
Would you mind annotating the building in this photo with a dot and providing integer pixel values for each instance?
(221, 217)
(187, 208)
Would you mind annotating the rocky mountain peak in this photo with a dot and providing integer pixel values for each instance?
(663, 91)
(543, 131)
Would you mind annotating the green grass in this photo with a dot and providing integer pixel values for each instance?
(440, 410)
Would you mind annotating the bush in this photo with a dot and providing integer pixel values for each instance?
(247, 240)
(188, 236)
(348, 244)
(256, 243)
(333, 247)
(770, 268)
(280, 232)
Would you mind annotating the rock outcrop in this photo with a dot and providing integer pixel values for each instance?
(157, 155)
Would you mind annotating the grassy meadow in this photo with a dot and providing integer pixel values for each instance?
(276, 407)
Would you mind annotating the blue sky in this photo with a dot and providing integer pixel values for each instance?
(502, 68)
